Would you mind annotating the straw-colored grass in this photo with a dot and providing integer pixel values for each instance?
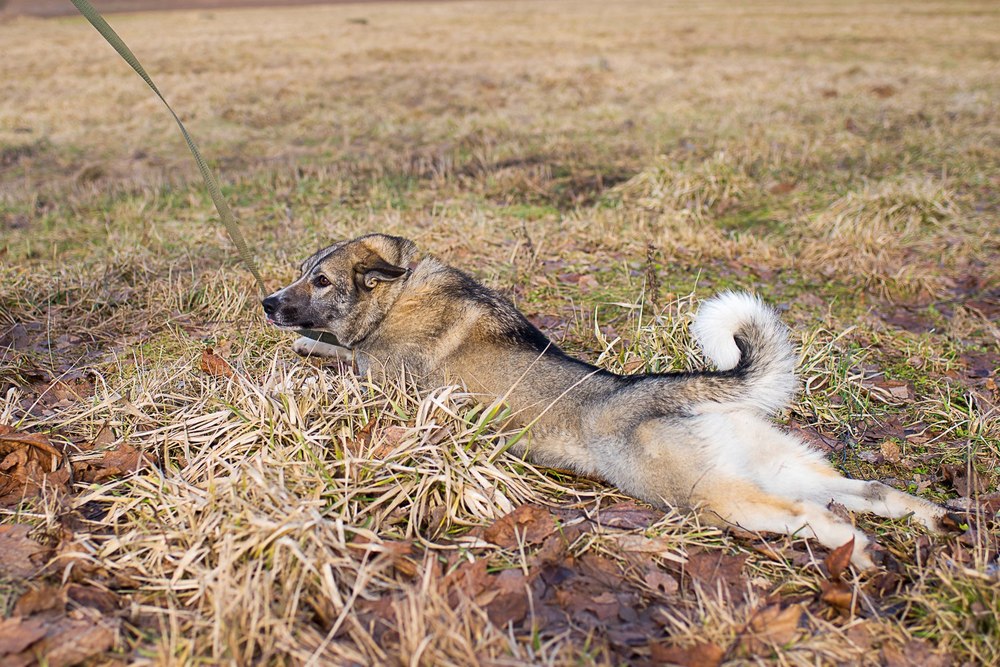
(607, 165)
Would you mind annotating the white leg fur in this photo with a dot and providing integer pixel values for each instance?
(806, 519)
(308, 347)
(776, 483)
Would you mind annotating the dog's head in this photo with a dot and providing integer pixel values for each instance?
(345, 289)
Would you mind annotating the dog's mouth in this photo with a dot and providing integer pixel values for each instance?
(279, 322)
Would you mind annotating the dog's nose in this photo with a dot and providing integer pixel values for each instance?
(270, 304)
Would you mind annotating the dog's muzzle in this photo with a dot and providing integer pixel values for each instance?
(282, 315)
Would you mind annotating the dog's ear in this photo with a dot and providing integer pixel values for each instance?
(376, 270)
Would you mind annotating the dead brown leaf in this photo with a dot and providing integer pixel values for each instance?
(816, 439)
(706, 654)
(528, 524)
(890, 391)
(968, 481)
(627, 515)
(104, 438)
(839, 559)
(103, 601)
(717, 571)
(660, 581)
(468, 578)
(914, 652)
(58, 641)
(660, 546)
(510, 604)
(890, 451)
(837, 594)
(29, 462)
(633, 365)
(215, 365)
(22, 556)
(12, 440)
(392, 436)
(43, 598)
(122, 460)
(17, 634)
(772, 626)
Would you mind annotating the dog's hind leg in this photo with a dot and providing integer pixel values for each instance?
(743, 504)
(877, 498)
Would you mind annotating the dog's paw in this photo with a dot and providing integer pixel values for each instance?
(308, 347)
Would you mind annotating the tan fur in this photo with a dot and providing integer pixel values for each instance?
(696, 440)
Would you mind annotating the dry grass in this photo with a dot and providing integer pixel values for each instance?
(607, 165)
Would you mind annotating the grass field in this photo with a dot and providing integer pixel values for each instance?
(607, 165)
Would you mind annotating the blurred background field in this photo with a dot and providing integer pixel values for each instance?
(606, 165)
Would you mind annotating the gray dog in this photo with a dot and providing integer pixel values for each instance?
(701, 440)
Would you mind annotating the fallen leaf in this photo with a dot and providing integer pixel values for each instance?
(634, 365)
(528, 524)
(815, 439)
(890, 451)
(510, 604)
(392, 436)
(837, 594)
(22, 556)
(29, 462)
(16, 338)
(215, 365)
(104, 438)
(43, 598)
(890, 391)
(864, 634)
(37, 442)
(838, 559)
(627, 515)
(17, 634)
(122, 460)
(660, 582)
(914, 652)
(104, 601)
(772, 626)
(715, 571)
(362, 439)
(660, 546)
(706, 654)
(65, 641)
(468, 578)
(552, 551)
(968, 481)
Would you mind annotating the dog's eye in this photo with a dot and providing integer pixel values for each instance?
(321, 281)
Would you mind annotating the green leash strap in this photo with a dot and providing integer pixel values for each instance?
(225, 213)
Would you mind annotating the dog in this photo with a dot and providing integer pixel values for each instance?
(700, 440)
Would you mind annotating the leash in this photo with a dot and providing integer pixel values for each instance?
(225, 213)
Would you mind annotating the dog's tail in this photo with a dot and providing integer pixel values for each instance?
(749, 344)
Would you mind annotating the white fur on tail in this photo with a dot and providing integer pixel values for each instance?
(770, 375)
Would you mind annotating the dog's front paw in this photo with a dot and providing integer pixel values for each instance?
(308, 347)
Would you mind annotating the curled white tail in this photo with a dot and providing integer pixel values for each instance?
(746, 340)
